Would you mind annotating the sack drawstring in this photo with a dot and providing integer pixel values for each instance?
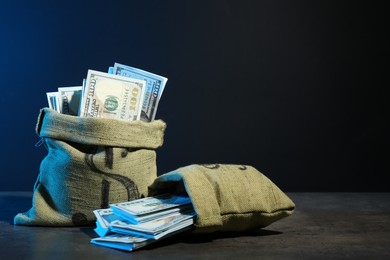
(40, 142)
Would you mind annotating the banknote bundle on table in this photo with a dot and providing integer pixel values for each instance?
(124, 93)
(134, 224)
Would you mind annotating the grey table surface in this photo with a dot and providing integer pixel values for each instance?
(324, 226)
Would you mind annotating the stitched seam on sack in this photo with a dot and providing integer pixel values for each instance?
(212, 217)
(258, 212)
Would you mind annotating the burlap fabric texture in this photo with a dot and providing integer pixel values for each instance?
(90, 164)
(227, 197)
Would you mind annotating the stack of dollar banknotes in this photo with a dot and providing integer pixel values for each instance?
(133, 224)
(123, 93)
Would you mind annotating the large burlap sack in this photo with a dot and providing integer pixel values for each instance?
(90, 164)
(227, 197)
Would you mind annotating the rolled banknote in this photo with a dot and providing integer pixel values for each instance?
(111, 96)
(155, 85)
(70, 98)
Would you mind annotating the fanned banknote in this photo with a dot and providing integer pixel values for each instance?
(153, 204)
(104, 218)
(165, 217)
(69, 100)
(155, 229)
(112, 96)
(130, 242)
(146, 209)
(155, 85)
(107, 222)
(124, 93)
(53, 101)
(122, 242)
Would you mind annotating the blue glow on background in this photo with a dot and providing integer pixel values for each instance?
(297, 90)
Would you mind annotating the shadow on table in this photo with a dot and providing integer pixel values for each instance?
(89, 231)
(191, 238)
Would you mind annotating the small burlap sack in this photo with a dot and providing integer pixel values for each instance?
(227, 197)
(90, 164)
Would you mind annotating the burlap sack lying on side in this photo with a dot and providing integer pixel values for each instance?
(227, 197)
(90, 164)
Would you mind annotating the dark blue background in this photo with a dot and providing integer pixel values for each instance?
(298, 89)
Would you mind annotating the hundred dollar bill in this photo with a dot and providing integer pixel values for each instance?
(155, 228)
(122, 242)
(53, 102)
(155, 85)
(156, 225)
(70, 98)
(104, 218)
(112, 96)
(152, 204)
(143, 210)
(132, 242)
(176, 228)
(107, 222)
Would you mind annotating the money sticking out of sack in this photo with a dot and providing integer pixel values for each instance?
(124, 93)
(137, 223)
